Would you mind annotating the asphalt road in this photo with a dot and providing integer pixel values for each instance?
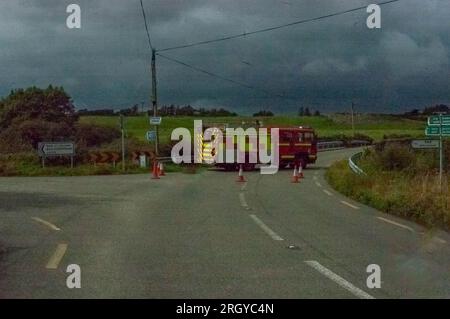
(207, 236)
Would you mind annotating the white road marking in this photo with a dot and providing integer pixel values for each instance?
(46, 223)
(396, 224)
(318, 184)
(339, 280)
(266, 228)
(54, 261)
(244, 186)
(440, 240)
(328, 192)
(315, 178)
(243, 201)
(349, 205)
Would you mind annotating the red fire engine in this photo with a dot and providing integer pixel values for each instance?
(297, 146)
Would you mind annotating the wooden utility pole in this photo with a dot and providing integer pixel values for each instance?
(122, 129)
(155, 99)
(353, 119)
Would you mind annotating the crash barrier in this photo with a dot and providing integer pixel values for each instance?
(330, 145)
(335, 145)
(104, 157)
(135, 155)
(353, 166)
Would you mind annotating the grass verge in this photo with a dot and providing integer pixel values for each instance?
(411, 196)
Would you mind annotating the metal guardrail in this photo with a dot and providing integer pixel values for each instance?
(338, 144)
(353, 166)
(330, 145)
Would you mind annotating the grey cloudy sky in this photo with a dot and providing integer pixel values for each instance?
(324, 64)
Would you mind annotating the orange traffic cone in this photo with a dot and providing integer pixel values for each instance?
(241, 178)
(300, 172)
(155, 174)
(295, 175)
(161, 170)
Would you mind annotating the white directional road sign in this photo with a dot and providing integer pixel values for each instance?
(155, 120)
(47, 149)
(425, 144)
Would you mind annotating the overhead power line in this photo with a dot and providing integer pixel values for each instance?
(245, 34)
(146, 26)
(248, 86)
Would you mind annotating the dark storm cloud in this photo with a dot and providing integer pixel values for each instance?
(323, 64)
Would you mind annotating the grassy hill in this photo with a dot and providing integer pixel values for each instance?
(375, 126)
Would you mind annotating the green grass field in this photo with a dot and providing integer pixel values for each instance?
(375, 126)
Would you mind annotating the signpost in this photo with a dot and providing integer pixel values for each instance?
(51, 149)
(122, 129)
(439, 125)
(425, 144)
(436, 131)
(435, 120)
(150, 136)
(155, 120)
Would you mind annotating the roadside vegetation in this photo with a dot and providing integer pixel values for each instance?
(33, 115)
(399, 181)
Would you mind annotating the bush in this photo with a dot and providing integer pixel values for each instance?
(89, 135)
(395, 157)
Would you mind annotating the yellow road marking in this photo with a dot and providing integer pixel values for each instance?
(57, 256)
(46, 223)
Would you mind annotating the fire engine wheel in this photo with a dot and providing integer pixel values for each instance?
(249, 167)
(230, 168)
(303, 163)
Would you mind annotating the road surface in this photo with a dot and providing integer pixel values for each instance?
(207, 236)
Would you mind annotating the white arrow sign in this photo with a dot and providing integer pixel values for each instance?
(425, 144)
(56, 148)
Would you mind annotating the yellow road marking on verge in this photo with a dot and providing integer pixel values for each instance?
(46, 223)
(57, 256)
(349, 205)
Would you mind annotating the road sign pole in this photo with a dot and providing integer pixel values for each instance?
(155, 98)
(122, 128)
(440, 153)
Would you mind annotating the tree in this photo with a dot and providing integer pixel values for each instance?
(301, 111)
(317, 113)
(52, 104)
(263, 113)
(33, 115)
(307, 112)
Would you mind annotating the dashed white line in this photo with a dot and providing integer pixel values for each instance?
(57, 256)
(315, 177)
(266, 228)
(243, 201)
(46, 223)
(244, 186)
(328, 192)
(396, 224)
(339, 280)
(349, 205)
(318, 184)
